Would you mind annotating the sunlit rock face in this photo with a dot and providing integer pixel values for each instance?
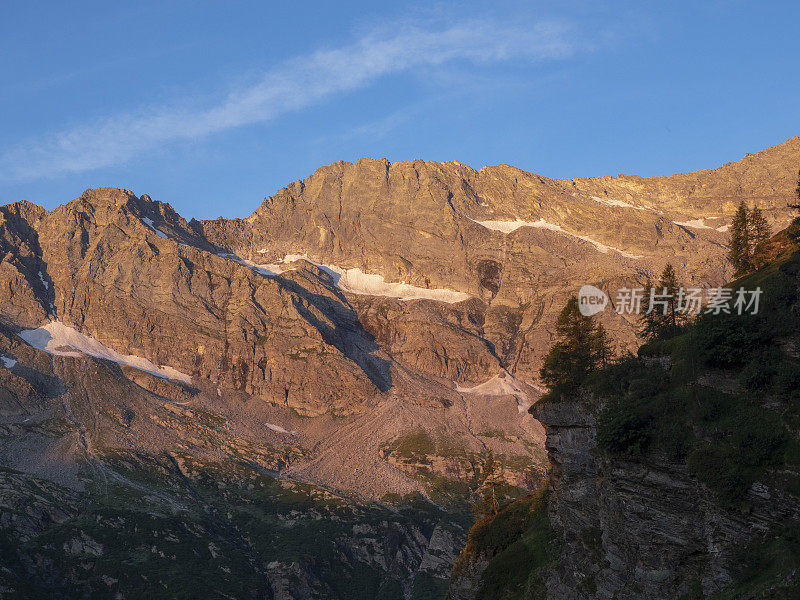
(489, 254)
(517, 241)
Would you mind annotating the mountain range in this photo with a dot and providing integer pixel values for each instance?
(313, 390)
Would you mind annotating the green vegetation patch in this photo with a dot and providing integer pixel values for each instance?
(724, 395)
(413, 444)
(180, 527)
(766, 569)
(520, 545)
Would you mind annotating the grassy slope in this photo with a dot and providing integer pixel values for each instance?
(519, 544)
(209, 535)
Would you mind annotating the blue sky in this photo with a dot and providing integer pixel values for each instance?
(211, 106)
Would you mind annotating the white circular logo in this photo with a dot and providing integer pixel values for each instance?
(591, 300)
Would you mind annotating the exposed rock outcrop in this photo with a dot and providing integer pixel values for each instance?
(641, 528)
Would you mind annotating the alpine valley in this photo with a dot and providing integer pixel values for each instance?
(306, 403)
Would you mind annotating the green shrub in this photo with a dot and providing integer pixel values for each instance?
(793, 231)
(726, 341)
(759, 438)
(759, 372)
(728, 440)
(412, 444)
(708, 404)
(673, 437)
(520, 544)
(716, 466)
(787, 378)
(623, 427)
(764, 568)
(747, 441)
(616, 379)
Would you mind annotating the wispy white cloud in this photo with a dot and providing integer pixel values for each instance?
(377, 129)
(297, 83)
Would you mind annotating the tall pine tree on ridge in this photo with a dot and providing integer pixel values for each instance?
(662, 319)
(749, 234)
(582, 347)
(739, 254)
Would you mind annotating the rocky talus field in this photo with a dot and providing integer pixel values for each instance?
(301, 404)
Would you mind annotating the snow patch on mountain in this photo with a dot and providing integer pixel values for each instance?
(693, 223)
(700, 224)
(60, 340)
(504, 226)
(149, 223)
(356, 281)
(620, 203)
(266, 270)
(501, 385)
(8, 361)
(510, 226)
(279, 429)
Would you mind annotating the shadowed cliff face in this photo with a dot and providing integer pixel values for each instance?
(648, 528)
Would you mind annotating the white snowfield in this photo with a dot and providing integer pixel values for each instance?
(700, 224)
(500, 385)
(620, 203)
(696, 223)
(279, 429)
(149, 222)
(266, 270)
(8, 361)
(355, 281)
(510, 226)
(58, 339)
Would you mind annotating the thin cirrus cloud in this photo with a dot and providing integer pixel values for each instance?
(297, 83)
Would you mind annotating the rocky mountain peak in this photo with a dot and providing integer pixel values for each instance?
(24, 210)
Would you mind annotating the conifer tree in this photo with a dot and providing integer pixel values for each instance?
(669, 286)
(602, 345)
(649, 322)
(797, 192)
(739, 254)
(582, 347)
(661, 317)
(749, 235)
(488, 503)
(794, 227)
(647, 328)
(758, 234)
